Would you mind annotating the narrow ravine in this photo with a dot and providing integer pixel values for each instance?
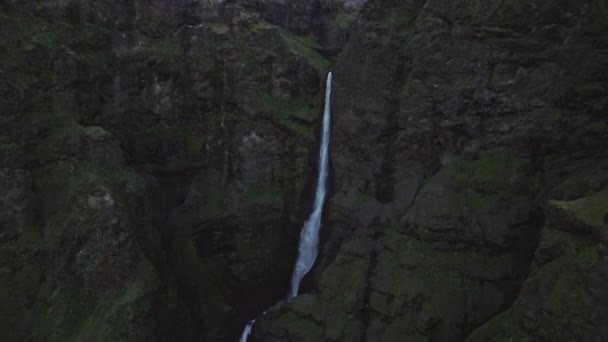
(309, 236)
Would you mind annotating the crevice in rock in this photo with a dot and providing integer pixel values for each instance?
(385, 180)
(366, 311)
(525, 249)
(536, 223)
(190, 296)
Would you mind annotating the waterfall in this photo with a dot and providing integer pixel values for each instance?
(309, 236)
(247, 331)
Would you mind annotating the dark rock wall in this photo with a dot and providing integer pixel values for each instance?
(158, 159)
(455, 122)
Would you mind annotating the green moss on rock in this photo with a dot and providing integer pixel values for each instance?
(306, 47)
(591, 211)
(501, 328)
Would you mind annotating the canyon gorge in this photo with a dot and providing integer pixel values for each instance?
(158, 160)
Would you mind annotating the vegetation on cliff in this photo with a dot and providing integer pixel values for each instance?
(156, 163)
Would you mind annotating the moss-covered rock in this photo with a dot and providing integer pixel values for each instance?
(419, 292)
(584, 214)
(562, 298)
(336, 312)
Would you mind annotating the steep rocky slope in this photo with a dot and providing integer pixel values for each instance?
(157, 159)
(469, 157)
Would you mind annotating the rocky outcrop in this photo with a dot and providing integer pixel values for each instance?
(332, 314)
(75, 263)
(564, 297)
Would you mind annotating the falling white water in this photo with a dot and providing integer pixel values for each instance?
(309, 236)
(247, 331)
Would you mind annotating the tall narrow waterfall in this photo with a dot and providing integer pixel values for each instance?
(309, 237)
(247, 331)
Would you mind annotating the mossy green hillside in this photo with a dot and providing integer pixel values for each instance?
(413, 283)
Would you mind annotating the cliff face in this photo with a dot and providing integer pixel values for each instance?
(468, 137)
(158, 159)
